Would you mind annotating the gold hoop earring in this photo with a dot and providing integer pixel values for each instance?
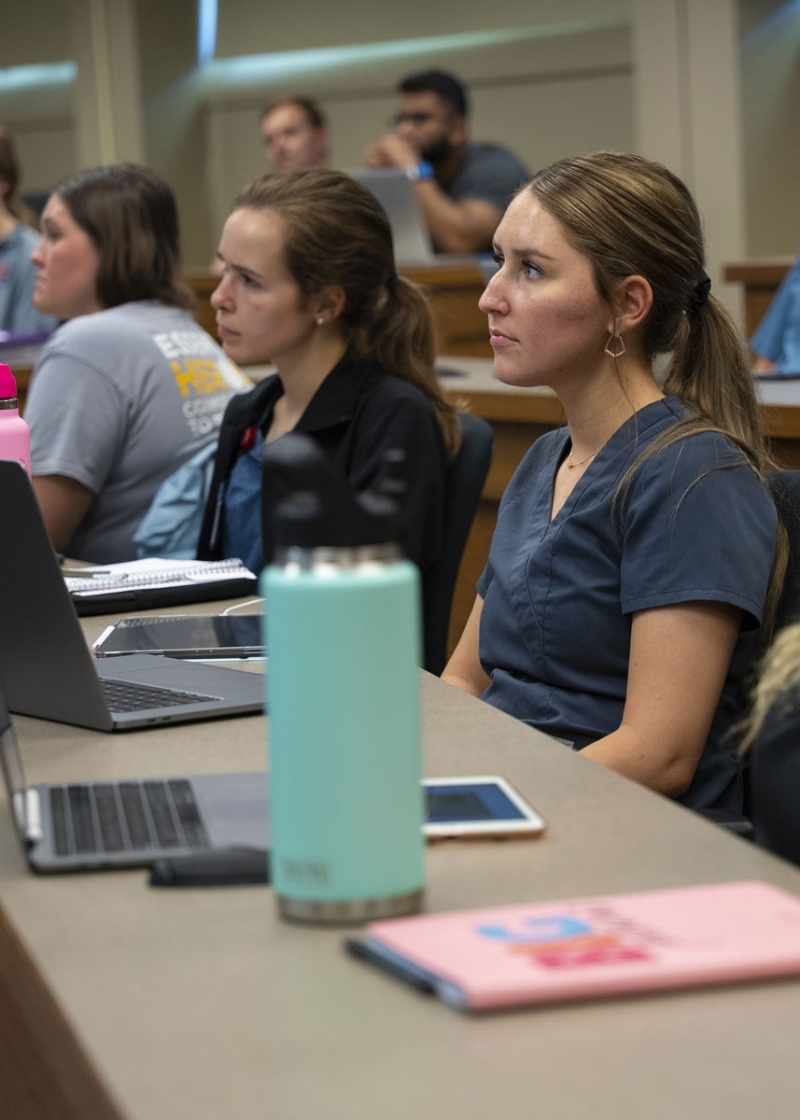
(619, 352)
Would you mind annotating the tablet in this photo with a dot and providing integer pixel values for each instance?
(477, 807)
(202, 636)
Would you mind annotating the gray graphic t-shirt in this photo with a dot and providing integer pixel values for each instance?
(118, 401)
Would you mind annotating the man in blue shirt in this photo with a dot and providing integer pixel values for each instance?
(462, 188)
(776, 343)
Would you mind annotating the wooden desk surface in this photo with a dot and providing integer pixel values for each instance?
(472, 381)
(203, 1004)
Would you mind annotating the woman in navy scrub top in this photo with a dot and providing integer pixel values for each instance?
(633, 556)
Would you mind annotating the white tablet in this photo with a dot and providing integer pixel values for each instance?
(475, 807)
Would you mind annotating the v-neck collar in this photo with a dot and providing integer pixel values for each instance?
(635, 426)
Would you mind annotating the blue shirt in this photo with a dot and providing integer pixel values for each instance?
(778, 334)
(241, 532)
(695, 524)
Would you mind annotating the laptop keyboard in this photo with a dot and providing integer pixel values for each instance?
(122, 696)
(126, 817)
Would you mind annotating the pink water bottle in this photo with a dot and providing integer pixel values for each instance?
(15, 438)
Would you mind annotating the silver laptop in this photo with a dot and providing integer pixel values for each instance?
(89, 826)
(395, 192)
(46, 666)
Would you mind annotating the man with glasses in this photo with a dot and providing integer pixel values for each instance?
(463, 188)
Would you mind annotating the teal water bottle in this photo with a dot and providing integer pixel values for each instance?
(342, 627)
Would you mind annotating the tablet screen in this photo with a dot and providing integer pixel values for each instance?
(484, 801)
(185, 636)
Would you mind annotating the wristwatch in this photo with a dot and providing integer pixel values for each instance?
(422, 170)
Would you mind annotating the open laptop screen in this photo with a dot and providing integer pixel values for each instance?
(395, 192)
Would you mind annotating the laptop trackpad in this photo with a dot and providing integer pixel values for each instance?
(153, 668)
(235, 685)
(234, 808)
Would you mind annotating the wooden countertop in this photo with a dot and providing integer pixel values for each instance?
(151, 1004)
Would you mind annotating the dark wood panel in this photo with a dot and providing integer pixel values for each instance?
(44, 1074)
(761, 282)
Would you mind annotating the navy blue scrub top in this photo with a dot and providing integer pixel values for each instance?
(695, 524)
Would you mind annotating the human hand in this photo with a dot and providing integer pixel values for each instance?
(762, 365)
(391, 151)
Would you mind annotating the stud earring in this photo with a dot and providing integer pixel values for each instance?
(620, 349)
(320, 321)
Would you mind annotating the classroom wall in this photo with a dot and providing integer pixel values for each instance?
(547, 78)
(770, 66)
(42, 119)
(249, 26)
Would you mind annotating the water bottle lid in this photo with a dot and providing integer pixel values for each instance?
(312, 505)
(8, 386)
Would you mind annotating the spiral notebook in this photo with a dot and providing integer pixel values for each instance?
(586, 948)
(150, 584)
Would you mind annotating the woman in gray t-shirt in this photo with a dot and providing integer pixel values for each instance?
(130, 387)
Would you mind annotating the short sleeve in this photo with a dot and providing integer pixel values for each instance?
(697, 525)
(77, 420)
(485, 580)
(494, 177)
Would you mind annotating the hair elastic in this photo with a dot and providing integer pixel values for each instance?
(699, 293)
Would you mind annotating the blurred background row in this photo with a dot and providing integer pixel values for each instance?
(711, 87)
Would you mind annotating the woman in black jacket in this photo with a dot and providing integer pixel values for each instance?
(310, 284)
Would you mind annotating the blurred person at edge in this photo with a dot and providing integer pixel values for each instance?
(18, 239)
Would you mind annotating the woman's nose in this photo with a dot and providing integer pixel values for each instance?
(219, 295)
(492, 297)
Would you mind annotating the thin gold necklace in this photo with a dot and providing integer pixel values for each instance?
(572, 465)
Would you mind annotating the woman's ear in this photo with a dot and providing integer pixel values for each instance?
(631, 304)
(329, 303)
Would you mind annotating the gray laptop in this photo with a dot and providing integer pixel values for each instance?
(395, 192)
(46, 666)
(93, 825)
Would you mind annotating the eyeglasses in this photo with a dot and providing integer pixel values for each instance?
(416, 119)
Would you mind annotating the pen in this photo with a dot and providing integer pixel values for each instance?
(365, 952)
(84, 573)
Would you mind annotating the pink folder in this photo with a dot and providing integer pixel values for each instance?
(582, 948)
